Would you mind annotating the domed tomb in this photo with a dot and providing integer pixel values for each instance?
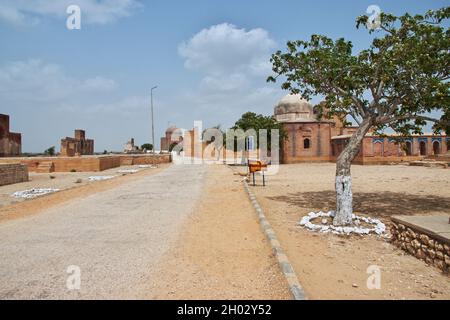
(294, 108)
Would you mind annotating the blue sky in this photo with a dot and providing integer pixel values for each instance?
(208, 58)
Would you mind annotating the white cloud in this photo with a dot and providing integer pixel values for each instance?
(224, 48)
(99, 84)
(234, 64)
(23, 12)
(34, 80)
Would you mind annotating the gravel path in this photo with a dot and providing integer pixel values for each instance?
(115, 237)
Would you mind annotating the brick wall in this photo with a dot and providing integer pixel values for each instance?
(90, 163)
(13, 173)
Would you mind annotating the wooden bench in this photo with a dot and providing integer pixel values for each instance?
(257, 166)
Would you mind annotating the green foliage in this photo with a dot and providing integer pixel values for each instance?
(173, 145)
(212, 139)
(251, 120)
(50, 151)
(396, 82)
(147, 146)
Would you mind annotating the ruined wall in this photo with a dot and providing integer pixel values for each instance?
(78, 146)
(10, 143)
(13, 173)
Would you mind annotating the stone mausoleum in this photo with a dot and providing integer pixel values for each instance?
(78, 146)
(173, 135)
(311, 139)
(10, 143)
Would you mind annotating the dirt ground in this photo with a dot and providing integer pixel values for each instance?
(335, 267)
(11, 208)
(222, 252)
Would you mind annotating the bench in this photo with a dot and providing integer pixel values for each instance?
(257, 166)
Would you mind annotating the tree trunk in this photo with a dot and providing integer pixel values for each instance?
(344, 196)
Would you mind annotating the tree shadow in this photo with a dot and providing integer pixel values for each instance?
(375, 204)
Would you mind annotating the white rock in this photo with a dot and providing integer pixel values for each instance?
(379, 228)
(33, 193)
(100, 178)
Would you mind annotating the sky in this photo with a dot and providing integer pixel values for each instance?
(209, 59)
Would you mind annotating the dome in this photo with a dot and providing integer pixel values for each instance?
(171, 130)
(294, 108)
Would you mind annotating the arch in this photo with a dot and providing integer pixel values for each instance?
(423, 148)
(306, 143)
(436, 147)
(408, 148)
(378, 148)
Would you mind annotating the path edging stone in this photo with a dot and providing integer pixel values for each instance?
(283, 262)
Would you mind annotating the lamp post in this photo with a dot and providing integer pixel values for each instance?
(153, 125)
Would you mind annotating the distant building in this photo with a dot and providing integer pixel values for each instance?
(311, 139)
(10, 143)
(78, 146)
(130, 147)
(172, 135)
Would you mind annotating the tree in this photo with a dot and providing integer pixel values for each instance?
(50, 151)
(147, 146)
(251, 120)
(395, 83)
(173, 145)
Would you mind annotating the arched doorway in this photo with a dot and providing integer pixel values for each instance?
(436, 147)
(408, 148)
(423, 148)
(378, 149)
(306, 143)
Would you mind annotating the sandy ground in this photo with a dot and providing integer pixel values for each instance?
(12, 208)
(116, 237)
(335, 267)
(221, 253)
(182, 232)
(61, 180)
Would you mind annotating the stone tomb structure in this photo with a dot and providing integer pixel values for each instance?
(172, 135)
(311, 139)
(130, 147)
(10, 143)
(78, 146)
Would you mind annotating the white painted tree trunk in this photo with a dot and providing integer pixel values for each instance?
(344, 201)
(344, 196)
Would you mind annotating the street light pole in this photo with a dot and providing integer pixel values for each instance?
(153, 125)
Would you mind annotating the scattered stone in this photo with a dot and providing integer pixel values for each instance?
(78, 181)
(355, 285)
(33, 193)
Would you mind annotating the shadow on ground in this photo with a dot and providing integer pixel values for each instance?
(379, 204)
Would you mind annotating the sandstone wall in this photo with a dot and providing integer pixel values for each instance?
(433, 250)
(89, 163)
(13, 173)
